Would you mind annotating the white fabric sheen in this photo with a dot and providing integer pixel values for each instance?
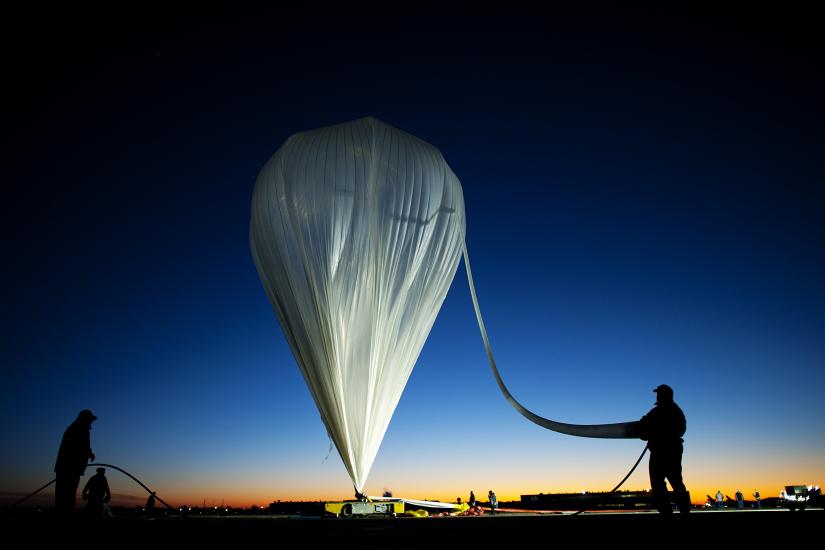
(356, 232)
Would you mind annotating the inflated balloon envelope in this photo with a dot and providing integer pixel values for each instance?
(357, 231)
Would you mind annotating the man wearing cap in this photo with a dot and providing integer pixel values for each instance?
(663, 428)
(75, 451)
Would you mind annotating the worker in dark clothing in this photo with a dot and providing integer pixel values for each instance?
(75, 451)
(150, 505)
(96, 493)
(663, 428)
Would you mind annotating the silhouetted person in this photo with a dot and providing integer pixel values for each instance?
(720, 500)
(96, 493)
(758, 498)
(493, 502)
(472, 502)
(740, 499)
(663, 428)
(75, 451)
(150, 505)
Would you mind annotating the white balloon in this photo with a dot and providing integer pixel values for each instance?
(357, 230)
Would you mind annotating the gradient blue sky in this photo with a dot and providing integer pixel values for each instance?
(644, 203)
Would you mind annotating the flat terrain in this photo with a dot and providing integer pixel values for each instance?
(729, 527)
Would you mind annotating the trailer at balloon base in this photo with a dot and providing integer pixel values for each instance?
(350, 508)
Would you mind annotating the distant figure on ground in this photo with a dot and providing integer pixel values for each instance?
(150, 505)
(663, 428)
(472, 501)
(493, 502)
(758, 498)
(75, 451)
(740, 499)
(96, 494)
(720, 500)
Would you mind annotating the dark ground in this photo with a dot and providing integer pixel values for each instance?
(797, 529)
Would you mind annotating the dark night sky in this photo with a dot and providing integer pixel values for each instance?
(645, 204)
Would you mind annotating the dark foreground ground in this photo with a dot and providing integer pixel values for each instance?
(710, 528)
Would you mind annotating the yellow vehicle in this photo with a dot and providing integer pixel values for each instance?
(351, 508)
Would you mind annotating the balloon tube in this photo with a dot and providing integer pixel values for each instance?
(623, 430)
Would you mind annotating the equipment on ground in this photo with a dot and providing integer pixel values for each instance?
(350, 508)
(798, 497)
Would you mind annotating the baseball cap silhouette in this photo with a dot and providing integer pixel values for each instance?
(86, 413)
